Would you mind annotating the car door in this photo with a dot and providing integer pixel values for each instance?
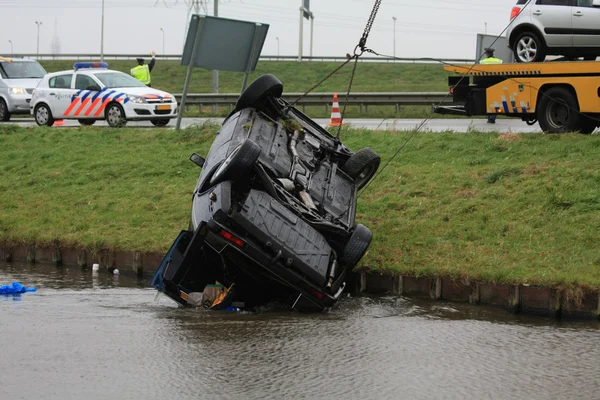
(555, 18)
(81, 105)
(60, 93)
(586, 24)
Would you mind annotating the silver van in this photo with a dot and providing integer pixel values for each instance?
(18, 78)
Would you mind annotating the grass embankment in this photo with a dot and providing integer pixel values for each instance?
(300, 77)
(491, 207)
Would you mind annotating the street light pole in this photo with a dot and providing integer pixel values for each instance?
(394, 18)
(277, 47)
(163, 35)
(38, 23)
(11, 47)
(102, 34)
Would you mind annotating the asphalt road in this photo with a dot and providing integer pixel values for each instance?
(434, 125)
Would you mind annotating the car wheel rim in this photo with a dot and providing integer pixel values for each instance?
(557, 114)
(42, 116)
(114, 116)
(526, 49)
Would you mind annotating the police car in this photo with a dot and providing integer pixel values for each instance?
(92, 92)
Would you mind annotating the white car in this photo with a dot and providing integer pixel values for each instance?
(92, 92)
(18, 78)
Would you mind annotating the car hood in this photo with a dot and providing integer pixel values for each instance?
(29, 83)
(146, 92)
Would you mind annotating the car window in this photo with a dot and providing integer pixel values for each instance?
(61, 81)
(554, 2)
(522, 2)
(584, 3)
(82, 82)
(23, 70)
(115, 79)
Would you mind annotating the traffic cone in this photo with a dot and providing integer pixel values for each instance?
(336, 117)
(59, 122)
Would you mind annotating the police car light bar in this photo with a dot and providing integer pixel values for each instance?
(81, 65)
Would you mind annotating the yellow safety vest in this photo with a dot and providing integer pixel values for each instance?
(141, 73)
(491, 60)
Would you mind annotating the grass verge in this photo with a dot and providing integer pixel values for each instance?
(501, 208)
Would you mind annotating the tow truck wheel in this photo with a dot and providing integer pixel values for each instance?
(43, 115)
(361, 166)
(115, 116)
(4, 114)
(238, 163)
(529, 47)
(357, 246)
(160, 121)
(558, 111)
(259, 91)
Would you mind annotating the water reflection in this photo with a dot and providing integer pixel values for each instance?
(97, 337)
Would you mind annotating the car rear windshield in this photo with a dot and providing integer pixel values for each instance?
(21, 70)
(117, 80)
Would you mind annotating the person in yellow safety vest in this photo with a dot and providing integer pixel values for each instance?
(142, 72)
(490, 59)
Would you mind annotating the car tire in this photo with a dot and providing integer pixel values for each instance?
(528, 47)
(160, 121)
(361, 166)
(558, 111)
(238, 163)
(4, 114)
(115, 115)
(259, 91)
(356, 247)
(86, 122)
(43, 115)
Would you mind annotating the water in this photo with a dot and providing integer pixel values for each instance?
(93, 336)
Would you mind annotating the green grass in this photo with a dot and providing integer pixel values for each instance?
(480, 206)
(300, 77)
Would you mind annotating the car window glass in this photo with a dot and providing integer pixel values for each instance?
(60, 81)
(82, 82)
(584, 3)
(554, 2)
(23, 70)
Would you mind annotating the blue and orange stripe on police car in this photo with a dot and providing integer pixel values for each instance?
(82, 98)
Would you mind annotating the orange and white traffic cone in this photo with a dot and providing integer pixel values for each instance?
(336, 117)
(59, 122)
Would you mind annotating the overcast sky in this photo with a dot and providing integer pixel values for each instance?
(429, 28)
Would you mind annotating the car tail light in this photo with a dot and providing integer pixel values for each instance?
(451, 90)
(233, 239)
(514, 12)
(318, 294)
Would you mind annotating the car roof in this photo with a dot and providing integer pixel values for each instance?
(70, 71)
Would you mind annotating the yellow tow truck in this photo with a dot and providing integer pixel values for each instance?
(561, 96)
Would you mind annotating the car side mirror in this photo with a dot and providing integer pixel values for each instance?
(94, 88)
(197, 159)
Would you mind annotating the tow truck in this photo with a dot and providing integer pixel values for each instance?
(561, 96)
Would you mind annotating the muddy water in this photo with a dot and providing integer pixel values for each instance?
(86, 336)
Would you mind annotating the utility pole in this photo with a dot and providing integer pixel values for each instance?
(312, 23)
(486, 28)
(38, 23)
(394, 18)
(215, 73)
(11, 47)
(301, 33)
(163, 35)
(277, 47)
(102, 34)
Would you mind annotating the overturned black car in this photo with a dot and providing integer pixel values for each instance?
(273, 211)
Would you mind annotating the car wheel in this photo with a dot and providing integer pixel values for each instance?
(43, 115)
(529, 48)
(4, 114)
(259, 91)
(115, 116)
(86, 121)
(237, 164)
(361, 166)
(160, 121)
(356, 247)
(587, 124)
(558, 111)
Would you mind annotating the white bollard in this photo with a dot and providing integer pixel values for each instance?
(95, 267)
(116, 272)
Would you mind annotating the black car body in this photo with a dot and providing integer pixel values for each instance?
(273, 211)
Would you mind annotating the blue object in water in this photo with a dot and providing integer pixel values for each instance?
(15, 288)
